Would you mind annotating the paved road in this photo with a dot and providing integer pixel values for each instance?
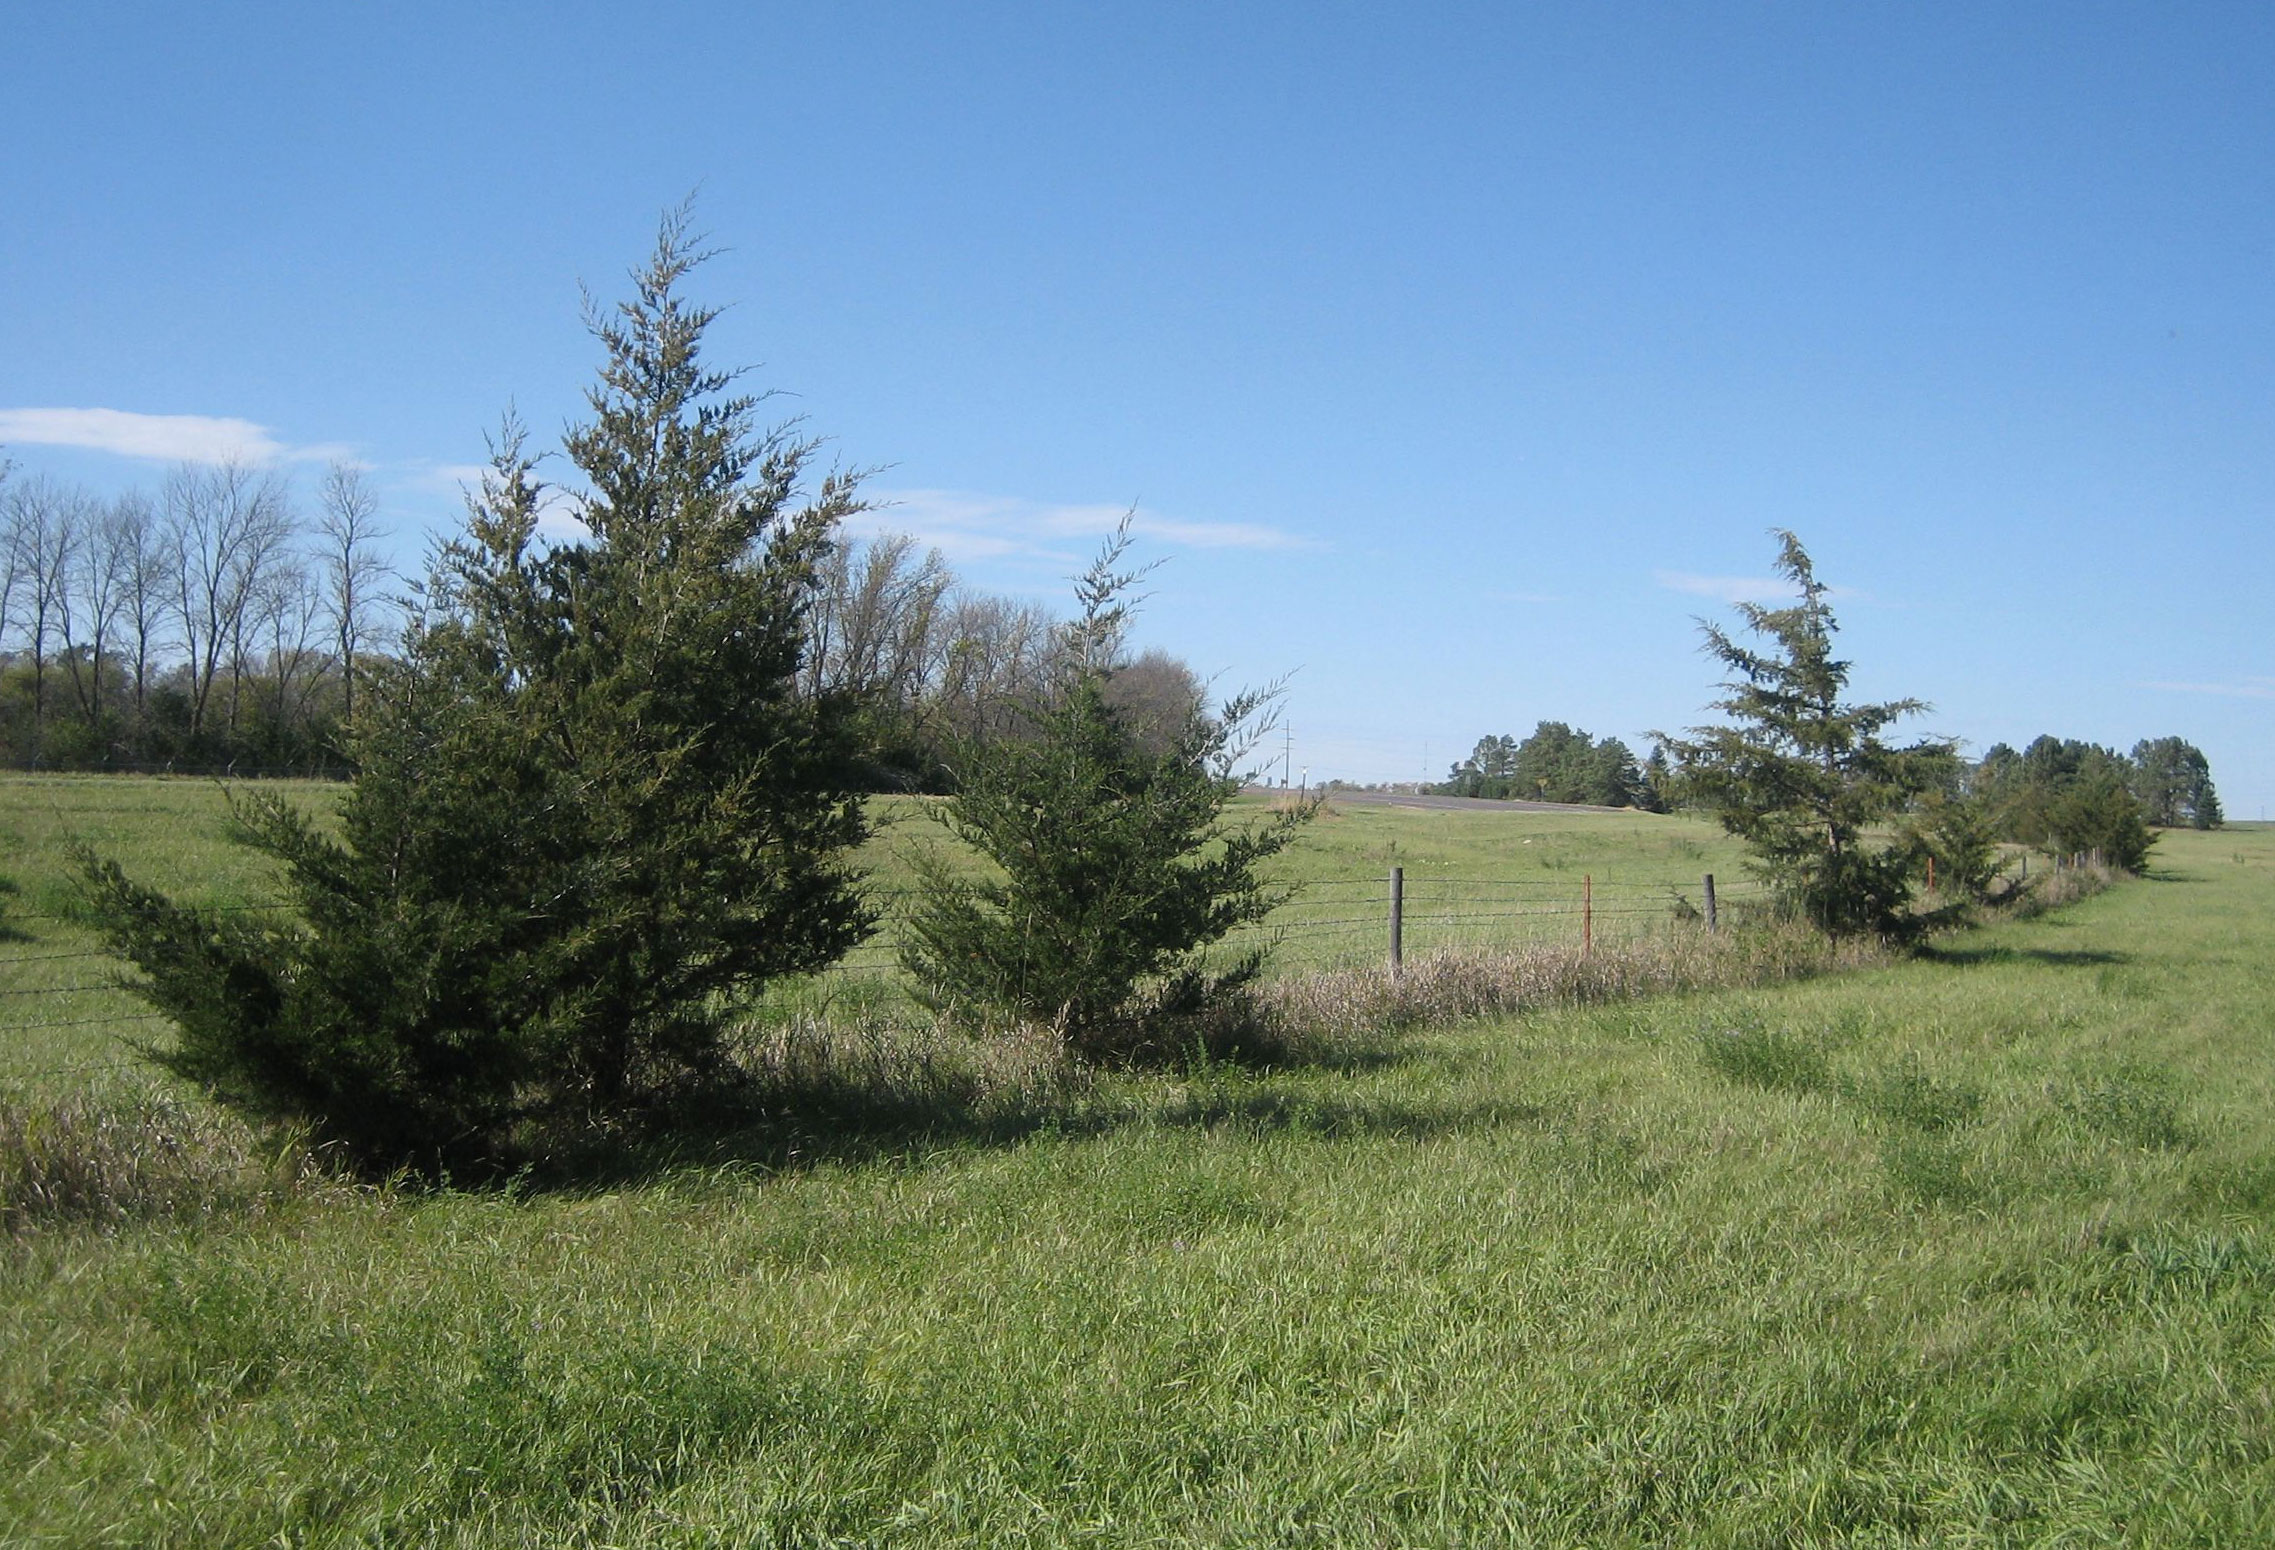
(1347, 798)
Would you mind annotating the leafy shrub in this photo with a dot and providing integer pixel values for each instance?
(1930, 1169)
(2098, 815)
(1960, 835)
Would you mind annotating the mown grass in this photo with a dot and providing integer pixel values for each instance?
(1971, 1249)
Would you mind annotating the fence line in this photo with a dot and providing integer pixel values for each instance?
(1464, 910)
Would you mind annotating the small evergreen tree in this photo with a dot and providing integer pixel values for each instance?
(1112, 868)
(1959, 834)
(591, 810)
(2097, 814)
(1801, 775)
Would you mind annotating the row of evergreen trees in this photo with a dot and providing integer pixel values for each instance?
(601, 800)
(609, 787)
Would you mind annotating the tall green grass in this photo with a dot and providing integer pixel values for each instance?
(1971, 1249)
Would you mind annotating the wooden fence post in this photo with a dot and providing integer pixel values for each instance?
(1711, 921)
(1397, 918)
(1587, 913)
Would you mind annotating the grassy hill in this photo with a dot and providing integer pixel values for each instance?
(1978, 1248)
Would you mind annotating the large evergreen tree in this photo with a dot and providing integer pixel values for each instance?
(592, 811)
(1801, 774)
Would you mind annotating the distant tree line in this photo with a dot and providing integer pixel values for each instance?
(212, 626)
(2057, 795)
(216, 626)
(935, 668)
(1557, 763)
(2069, 797)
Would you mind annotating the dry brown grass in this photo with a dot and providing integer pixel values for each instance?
(881, 1065)
(108, 1159)
(1345, 1005)
(2051, 889)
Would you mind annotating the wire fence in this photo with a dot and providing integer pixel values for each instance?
(1323, 923)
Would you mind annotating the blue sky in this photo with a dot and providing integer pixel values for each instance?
(1456, 358)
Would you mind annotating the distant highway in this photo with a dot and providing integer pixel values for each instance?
(1349, 798)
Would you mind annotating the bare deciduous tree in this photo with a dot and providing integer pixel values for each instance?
(143, 590)
(994, 655)
(1157, 696)
(11, 557)
(44, 531)
(227, 524)
(873, 623)
(353, 573)
(287, 615)
(93, 596)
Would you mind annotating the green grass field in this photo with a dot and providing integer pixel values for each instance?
(1974, 1249)
(1472, 879)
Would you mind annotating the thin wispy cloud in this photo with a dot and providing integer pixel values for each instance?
(1728, 589)
(158, 438)
(967, 526)
(2239, 689)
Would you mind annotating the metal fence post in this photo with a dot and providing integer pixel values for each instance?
(1712, 917)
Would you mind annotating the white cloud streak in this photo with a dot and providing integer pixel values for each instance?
(1728, 589)
(160, 438)
(967, 526)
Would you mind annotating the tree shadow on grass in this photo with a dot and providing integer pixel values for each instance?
(2050, 957)
(1342, 1118)
(780, 1129)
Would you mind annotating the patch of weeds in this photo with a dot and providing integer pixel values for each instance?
(1747, 1050)
(2198, 1266)
(1907, 1095)
(1930, 1169)
(1185, 1205)
(231, 1333)
(106, 1160)
(2245, 1186)
(1598, 1157)
(1638, 1023)
(2132, 1104)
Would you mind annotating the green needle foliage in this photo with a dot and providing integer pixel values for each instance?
(1802, 775)
(592, 813)
(1114, 869)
